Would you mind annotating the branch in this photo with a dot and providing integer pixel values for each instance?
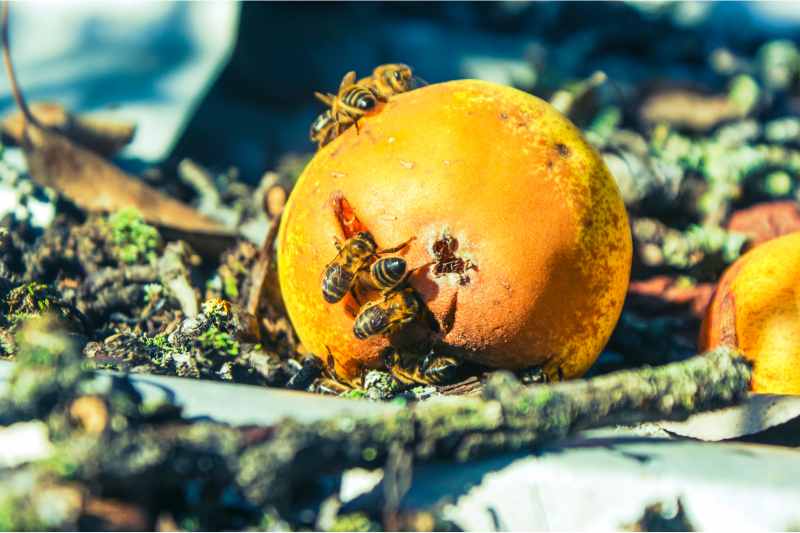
(509, 417)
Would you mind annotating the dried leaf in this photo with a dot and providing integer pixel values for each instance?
(756, 414)
(766, 221)
(688, 109)
(99, 134)
(667, 293)
(263, 286)
(96, 185)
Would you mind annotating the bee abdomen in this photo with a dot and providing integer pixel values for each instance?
(441, 369)
(370, 321)
(335, 283)
(360, 98)
(388, 272)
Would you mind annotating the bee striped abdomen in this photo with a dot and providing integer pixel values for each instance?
(388, 272)
(323, 129)
(370, 321)
(359, 98)
(335, 283)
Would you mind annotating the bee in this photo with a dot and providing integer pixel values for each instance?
(357, 98)
(386, 316)
(352, 102)
(389, 80)
(353, 257)
(324, 129)
(432, 369)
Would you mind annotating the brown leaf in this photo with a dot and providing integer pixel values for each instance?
(114, 515)
(96, 185)
(688, 109)
(263, 288)
(666, 293)
(766, 221)
(101, 135)
(756, 414)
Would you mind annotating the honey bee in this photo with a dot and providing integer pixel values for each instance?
(387, 315)
(357, 98)
(352, 102)
(353, 257)
(324, 129)
(389, 80)
(431, 369)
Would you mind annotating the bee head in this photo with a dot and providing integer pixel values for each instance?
(400, 77)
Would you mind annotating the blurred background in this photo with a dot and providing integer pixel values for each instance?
(230, 84)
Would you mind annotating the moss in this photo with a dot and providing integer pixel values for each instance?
(230, 287)
(354, 394)
(216, 339)
(17, 515)
(34, 299)
(134, 240)
(49, 370)
(353, 522)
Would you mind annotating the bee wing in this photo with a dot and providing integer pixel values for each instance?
(326, 99)
(347, 80)
(417, 82)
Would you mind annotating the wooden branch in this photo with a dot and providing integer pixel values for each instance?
(508, 417)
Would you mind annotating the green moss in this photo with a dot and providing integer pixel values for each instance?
(220, 341)
(31, 300)
(353, 522)
(230, 287)
(134, 240)
(17, 515)
(354, 394)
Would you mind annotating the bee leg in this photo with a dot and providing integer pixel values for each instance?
(326, 99)
(337, 243)
(354, 294)
(395, 248)
(331, 386)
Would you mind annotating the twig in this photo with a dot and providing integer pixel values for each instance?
(263, 270)
(174, 274)
(12, 77)
(509, 417)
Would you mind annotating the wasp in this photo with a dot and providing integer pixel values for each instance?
(389, 80)
(324, 129)
(387, 315)
(352, 102)
(431, 369)
(354, 256)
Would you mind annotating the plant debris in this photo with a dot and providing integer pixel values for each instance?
(173, 273)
